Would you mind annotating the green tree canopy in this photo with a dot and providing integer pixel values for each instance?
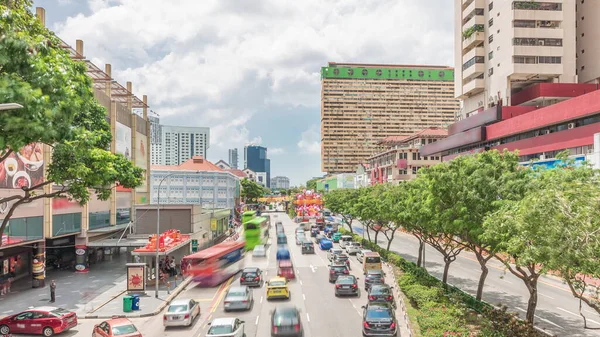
(251, 190)
(312, 184)
(341, 202)
(59, 110)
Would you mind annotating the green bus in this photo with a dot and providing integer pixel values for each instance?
(256, 232)
(247, 216)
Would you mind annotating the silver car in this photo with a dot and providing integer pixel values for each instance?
(361, 254)
(333, 252)
(259, 251)
(181, 313)
(352, 248)
(238, 298)
(226, 327)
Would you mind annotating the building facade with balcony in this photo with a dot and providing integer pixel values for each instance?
(401, 160)
(362, 103)
(538, 133)
(502, 47)
(45, 230)
(196, 181)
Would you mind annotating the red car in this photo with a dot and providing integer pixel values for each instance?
(121, 327)
(41, 321)
(286, 269)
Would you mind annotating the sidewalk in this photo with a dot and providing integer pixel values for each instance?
(110, 303)
(401, 315)
(74, 291)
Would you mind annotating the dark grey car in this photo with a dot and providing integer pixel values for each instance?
(381, 293)
(374, 277)
(379, 320)
(336, 270)
(252, 277)
(346, 285)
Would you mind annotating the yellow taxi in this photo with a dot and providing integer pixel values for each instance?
(277, 287)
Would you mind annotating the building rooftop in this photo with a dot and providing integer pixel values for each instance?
(238, 173)
(374, 65)
(430, 132)
(196, 163)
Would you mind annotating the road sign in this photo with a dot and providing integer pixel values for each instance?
(194, 245)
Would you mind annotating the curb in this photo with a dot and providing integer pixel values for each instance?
(157, 311)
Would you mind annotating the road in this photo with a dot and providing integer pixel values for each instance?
(323, 314)
(557, 310)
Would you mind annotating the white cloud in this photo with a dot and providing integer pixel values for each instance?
(276, 150)
(220, 63)
(310, 140)
(64, 2)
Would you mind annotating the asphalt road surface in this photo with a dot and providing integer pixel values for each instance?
(557, 310)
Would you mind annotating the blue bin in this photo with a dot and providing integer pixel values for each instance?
(135, 304)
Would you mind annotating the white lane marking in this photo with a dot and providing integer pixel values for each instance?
(313, 268)
(550, 297)
(303, 297)
(298, 271)
(261, 298)
(577, 315)
(7, 312)
(256, 323)
(67, 282)
(545, 320)
(301, 283)
(307, 317)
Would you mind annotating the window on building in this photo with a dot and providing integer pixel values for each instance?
(491, 22)
(491, 6)
(491, 38)
(414, 156)
(491, 55)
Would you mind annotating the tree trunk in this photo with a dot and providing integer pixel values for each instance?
(349, 223)
(420, 255)
(366, 229)
(376, 234)
(447, 261)
(482, 277)
(533, 299)
(390, 239)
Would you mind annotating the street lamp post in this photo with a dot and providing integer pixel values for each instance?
(157, 270)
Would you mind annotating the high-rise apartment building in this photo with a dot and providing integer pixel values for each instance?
(155, 140)
(255, 159)
(280, 183)
(180, 143)
(363, 103)
(233, 158)
(588, 41)
(503, 47)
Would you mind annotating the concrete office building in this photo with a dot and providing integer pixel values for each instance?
(255, 159)
(588, 41)
(233, 158)
(503, 47)
(180, 143)
(363, 103)
(155, 140)
(280, 183)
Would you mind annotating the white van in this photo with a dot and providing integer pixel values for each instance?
(344, 240)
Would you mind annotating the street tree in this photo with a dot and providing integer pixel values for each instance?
(341, 202)
(467, 189)
(312, 184)
(251, 190)
(377, 208)
(415, 215)
(364, 209)
(59, 110)
(396, 210)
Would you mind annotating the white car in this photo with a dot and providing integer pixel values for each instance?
(333, 252)
(353, 248)
(345, 240)
(226, 327)
(181, 313)
(259, 251)
(361, 254)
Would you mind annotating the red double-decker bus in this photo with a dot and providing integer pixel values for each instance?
(212, 266)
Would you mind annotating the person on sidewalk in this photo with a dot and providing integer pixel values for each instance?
(172, 266)
(52, 291)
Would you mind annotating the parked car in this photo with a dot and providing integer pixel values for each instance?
(379, 320)
(45, 321)
(336, 270)
(374, 277)
(346, 285)
(353, 248)
(238, 298)
(226, 327)
(361, 254)
(181, 312)
(259, 251)
(381, 293)
(121, 327)
(286, 322)
(251, 276)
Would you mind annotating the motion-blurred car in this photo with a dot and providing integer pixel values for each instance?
(379, 320)
(353, 248)
(238, 298)
(346, 285)
(251, 276)
(299, 239)
(277, 287)
(361, 254)
(318, 238)
(308, 247)
(259, 251)
(285, 268)
(286, 322)
(325, 244)
(121, 327)
(381, 293)
(336, 237)
(374, 277)
(299, 230)
(333, 252)
(45, 321)
(337, 270)
(181, 313)
(226, 327)
(283, 253)
(341, 258)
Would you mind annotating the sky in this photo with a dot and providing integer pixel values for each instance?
(250, 69)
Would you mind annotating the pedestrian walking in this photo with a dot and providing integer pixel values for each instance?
(52, 291)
